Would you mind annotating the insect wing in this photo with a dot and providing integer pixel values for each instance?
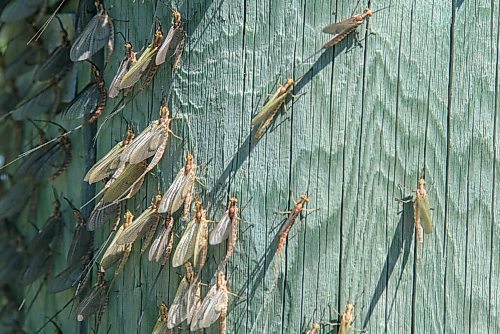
(67, 278)
(339, 27)
(114, 252)
(106, 165)
(79, 244)
(193, 299)
(119, 188)
(201, 240)
(57, 62)
(144, 146)
(39, 264)
(175, 195)
(94, 302)
(178, 310)
(425, 213)
(172, 45)
(48, 232)
(160, 243)
(13, 201)
(220, 231)
(20, 9)
(44, 99)
(147, 220)
(136, 71)
(99, 216)
(266, 109)
(93, 38)
(185, 248)
(209, 310)
(85, 103)
(114, 88)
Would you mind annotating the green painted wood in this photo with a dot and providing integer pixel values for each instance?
(421, 92)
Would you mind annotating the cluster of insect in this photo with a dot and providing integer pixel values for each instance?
(122, 170)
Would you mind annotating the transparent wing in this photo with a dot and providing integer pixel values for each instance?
(67, 278)
(339, 27)
(85, 103)
(20, 9)
(178, 309)
(220, 231)
(79, 244)
(93, 38)
(41, 101)
(136, 71)
(210, 309)
(201, 239)
(105, 166)
(266, 109)
(140, 149)
(185, 248)
(95, 301)
(425, 213)
(57, 62)
(176, 194)
(139, 227)
(114, 88)
(193, 299)
(120, 188)
(174, 40)
(114, 252)
(159, 244)
(100, 216)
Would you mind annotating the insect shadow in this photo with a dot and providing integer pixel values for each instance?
(400, 244)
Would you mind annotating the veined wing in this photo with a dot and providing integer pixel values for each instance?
(176, 193)
(210, 309)
(94, 37)
(201, 239)
(339, 27)
(178, 310)
(106, 165)
(173, 44)
(136, 71)
(119, 188)
(114, 252)
(160, 243)
(193, 299)
(114, 88)
(41, 101)
(67, 278)
(57, 62)
(141, 149)
(221, 230)
(139, 227)
(85, 103)
(425, 213)
(94, 302)
(266, 109)
(185, 248)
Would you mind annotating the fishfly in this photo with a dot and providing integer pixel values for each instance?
(125, 186)
(227, 227)
(194, 241)
(96, 301)
(213, 307)
(173, 45)
(97, 33)
(268, 112)
(116, 252)
(181, 190)
(187, 299)
(137, 70)
(91, 100)
(129, 60)
(285, 229)
(146, 223)
(108, 164)
(161, 324)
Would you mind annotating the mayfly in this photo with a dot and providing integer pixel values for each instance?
(96, 301)
(187, 299)
(227, 227)
(50, 231)
(194, 240)
(82, 238)
(125, 64)
(58, 61)
(181, 190)
(285, 229)
(98, 33)
(315, 328)
(173, 45)
(152, 141)
(108, 164)
(268, 112)
(69, 277)
(161, 324)
(91, 100)
(117, 252)
(146, 223)
(137, 70)
(125, 186)
(421, 210)
(163, 243)
(343, 28)
(43, 98)
(213, 307)
(346, 320)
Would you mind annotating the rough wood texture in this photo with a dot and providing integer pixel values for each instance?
(421, 92)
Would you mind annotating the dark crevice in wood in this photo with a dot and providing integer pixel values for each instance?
(448, 152)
